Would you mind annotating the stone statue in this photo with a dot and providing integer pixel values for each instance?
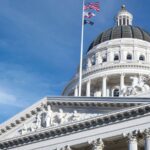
(24, 129)
(38, 121)
(32, 127)
(75, 116)
(61, 116)
(49, 116)
(138, 85)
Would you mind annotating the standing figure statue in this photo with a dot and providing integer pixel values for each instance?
(38, 121)
(75, 116)
(24, 130)
(61, 116)
(49, 116)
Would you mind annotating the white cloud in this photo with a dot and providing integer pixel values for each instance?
(7, 99)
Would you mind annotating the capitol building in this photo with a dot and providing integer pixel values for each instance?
(113, 112)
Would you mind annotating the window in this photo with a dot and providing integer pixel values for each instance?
(142, 58)
(116, 93)
(127, 21)
(93, 60)
(116, 57)
(104, 59)
(124, 21)
(120, 22)
(129, 57)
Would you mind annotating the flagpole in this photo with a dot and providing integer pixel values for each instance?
(81, 52)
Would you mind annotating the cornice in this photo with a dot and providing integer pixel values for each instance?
(95, 122)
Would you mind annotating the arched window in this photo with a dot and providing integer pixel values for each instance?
(93, 60)
(116, 57)
(129, 57)
(104, 59)
(142, 58)
(116, 93)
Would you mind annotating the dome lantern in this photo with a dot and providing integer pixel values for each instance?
(124, 17)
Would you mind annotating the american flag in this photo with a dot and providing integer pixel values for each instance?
(92, 5)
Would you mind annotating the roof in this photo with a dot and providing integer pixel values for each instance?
(121, 32)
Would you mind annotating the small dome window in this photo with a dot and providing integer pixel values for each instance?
(116, 57)
(93, 60)
(116, 93)
(129, 57)
(104, 59)
(142, 58)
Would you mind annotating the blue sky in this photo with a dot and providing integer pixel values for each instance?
(40, 45)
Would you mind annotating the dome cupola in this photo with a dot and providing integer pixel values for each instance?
(124, 17)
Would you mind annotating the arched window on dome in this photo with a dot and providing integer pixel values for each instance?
(142, 57)
(104, 59)
(129, 57)
(116, 57)
(116, 92)
(93, 60)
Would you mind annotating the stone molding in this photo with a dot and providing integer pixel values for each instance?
(79, 126)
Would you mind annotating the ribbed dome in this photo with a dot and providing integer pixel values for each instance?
(121, 32)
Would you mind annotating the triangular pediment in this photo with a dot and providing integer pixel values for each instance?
(53, 112)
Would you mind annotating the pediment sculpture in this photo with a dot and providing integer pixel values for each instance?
(49, 118)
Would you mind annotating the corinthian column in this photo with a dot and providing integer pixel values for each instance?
(104, 86)
(88, 88)
(97, 144)
(65, 148)
(147, 139)
(132, 142)
(76, 91)
(121, 83)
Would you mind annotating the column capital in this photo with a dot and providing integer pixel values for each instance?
(65, 148)
(147, 133)
(132, 137)
(122, 74)
(98, 144)
(105, 76)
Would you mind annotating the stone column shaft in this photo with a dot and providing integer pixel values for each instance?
(122, 81)
(76, 91)
(147, 143)
(104, 86)
(88, 88)
(147, 139)
(132, 143)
